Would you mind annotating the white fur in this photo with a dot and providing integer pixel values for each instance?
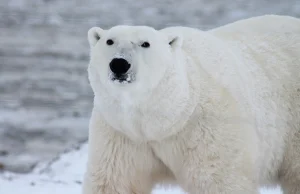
(214, 111)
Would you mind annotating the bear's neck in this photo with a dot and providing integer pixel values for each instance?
(172, 103)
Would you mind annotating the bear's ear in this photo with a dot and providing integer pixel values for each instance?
(94, 34)
(175, 41)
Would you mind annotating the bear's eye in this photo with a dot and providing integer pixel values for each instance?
(145, 44)
(109, 42)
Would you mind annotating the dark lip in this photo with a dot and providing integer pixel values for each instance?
(121, 78)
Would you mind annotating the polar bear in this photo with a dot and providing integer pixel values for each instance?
(216, 112)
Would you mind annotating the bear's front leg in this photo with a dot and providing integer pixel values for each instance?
(117, 165)
(206, 178)
(219, 162)
(213, 157)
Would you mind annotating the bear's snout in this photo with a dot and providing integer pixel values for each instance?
(119, 66)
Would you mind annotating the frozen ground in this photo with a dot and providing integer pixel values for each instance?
(45, 98)
(64, 175)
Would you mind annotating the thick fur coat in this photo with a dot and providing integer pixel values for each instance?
(217, 112)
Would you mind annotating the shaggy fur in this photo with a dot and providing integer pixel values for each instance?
(217, 112)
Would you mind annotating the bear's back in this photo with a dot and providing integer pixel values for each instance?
(270, 46)
(272, 41)
(257, 26)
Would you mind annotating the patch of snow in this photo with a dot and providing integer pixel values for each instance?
(64, 175)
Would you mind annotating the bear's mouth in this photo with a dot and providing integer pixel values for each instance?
(122, 78)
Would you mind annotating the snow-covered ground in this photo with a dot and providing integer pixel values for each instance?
(63, 175)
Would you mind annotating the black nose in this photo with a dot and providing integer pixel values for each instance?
(119, 66)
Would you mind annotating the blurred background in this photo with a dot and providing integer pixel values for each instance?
(45, 97)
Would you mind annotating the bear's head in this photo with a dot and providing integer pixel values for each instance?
(130, 58)
(140, 79)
